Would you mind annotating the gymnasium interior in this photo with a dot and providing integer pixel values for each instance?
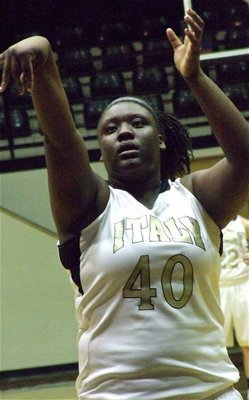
(104, 49)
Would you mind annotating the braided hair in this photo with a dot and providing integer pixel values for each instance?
(176, 158)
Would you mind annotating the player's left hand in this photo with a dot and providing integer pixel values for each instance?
(187, 53)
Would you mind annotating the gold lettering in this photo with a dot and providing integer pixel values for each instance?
(118, 236)
(157, 232)
(177, 295)
(137, 224)
(178, 233)
(183, 230)
(193, 226)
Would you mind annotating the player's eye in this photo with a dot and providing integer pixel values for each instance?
(111, 128)
(138, 123)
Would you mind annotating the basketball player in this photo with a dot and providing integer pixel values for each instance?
(234, 283)
(143, 248)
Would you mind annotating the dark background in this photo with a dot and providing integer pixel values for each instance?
(46, 17)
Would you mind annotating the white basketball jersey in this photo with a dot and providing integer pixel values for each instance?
(234, 269)
(150, 323)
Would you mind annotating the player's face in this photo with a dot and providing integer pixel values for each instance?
(129, 141)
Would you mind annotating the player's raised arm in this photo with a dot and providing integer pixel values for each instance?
(73, 186)
(223, 188)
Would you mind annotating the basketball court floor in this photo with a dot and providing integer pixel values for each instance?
(60, 391)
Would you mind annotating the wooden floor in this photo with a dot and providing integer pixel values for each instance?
(60, 391)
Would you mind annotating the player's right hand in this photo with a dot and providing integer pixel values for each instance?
(21, 60)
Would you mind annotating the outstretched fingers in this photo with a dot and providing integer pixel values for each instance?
(195, 26)
(173, 38)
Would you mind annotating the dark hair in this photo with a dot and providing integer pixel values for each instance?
(175, 159)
